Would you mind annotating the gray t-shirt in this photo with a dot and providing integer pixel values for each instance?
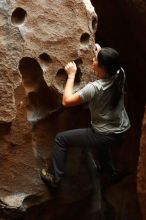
(103, 119)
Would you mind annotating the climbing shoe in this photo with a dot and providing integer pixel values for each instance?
(49, 179)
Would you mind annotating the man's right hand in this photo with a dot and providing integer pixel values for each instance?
(71, 69)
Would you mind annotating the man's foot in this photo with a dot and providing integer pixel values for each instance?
(49, 179)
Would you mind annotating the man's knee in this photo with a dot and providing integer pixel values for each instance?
(60, 139)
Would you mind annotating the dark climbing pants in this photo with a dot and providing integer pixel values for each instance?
(87, 139)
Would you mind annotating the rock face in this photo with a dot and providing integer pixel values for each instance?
(122, 25)
(141, 174)
(37, 39)
(40, 38)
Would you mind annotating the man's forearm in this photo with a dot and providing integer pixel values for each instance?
(68, 91)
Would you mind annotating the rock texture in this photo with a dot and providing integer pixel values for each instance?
(141, 174)
(37, 39)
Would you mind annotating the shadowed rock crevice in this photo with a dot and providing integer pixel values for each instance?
(45, 58)
(61, 77)
(85, 39)
(122, 28)
(78, 61)
(94, 24)
(18, 16)
(41, 99)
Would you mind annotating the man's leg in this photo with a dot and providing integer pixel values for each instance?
(105, 157)
(63, 140)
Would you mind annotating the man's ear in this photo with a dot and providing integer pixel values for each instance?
(97, 47)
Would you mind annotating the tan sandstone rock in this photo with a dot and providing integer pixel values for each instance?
(40, 38)
(37, 39)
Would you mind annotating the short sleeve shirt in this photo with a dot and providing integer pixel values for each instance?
(103, 119)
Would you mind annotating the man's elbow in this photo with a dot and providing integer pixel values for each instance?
(71, 101)
(65, 102)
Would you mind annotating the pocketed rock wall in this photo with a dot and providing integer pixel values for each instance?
(37, 39)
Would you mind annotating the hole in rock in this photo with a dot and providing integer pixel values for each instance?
(61, 77)
(85, 38)
(45, 58)
(78, 77)
(41, 100)
(18, 16)
(31, 72)
(94, 24)
(78, 61)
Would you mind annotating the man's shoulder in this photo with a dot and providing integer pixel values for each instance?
(96, 84)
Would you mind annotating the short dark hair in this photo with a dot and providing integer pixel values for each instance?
(109, 59)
